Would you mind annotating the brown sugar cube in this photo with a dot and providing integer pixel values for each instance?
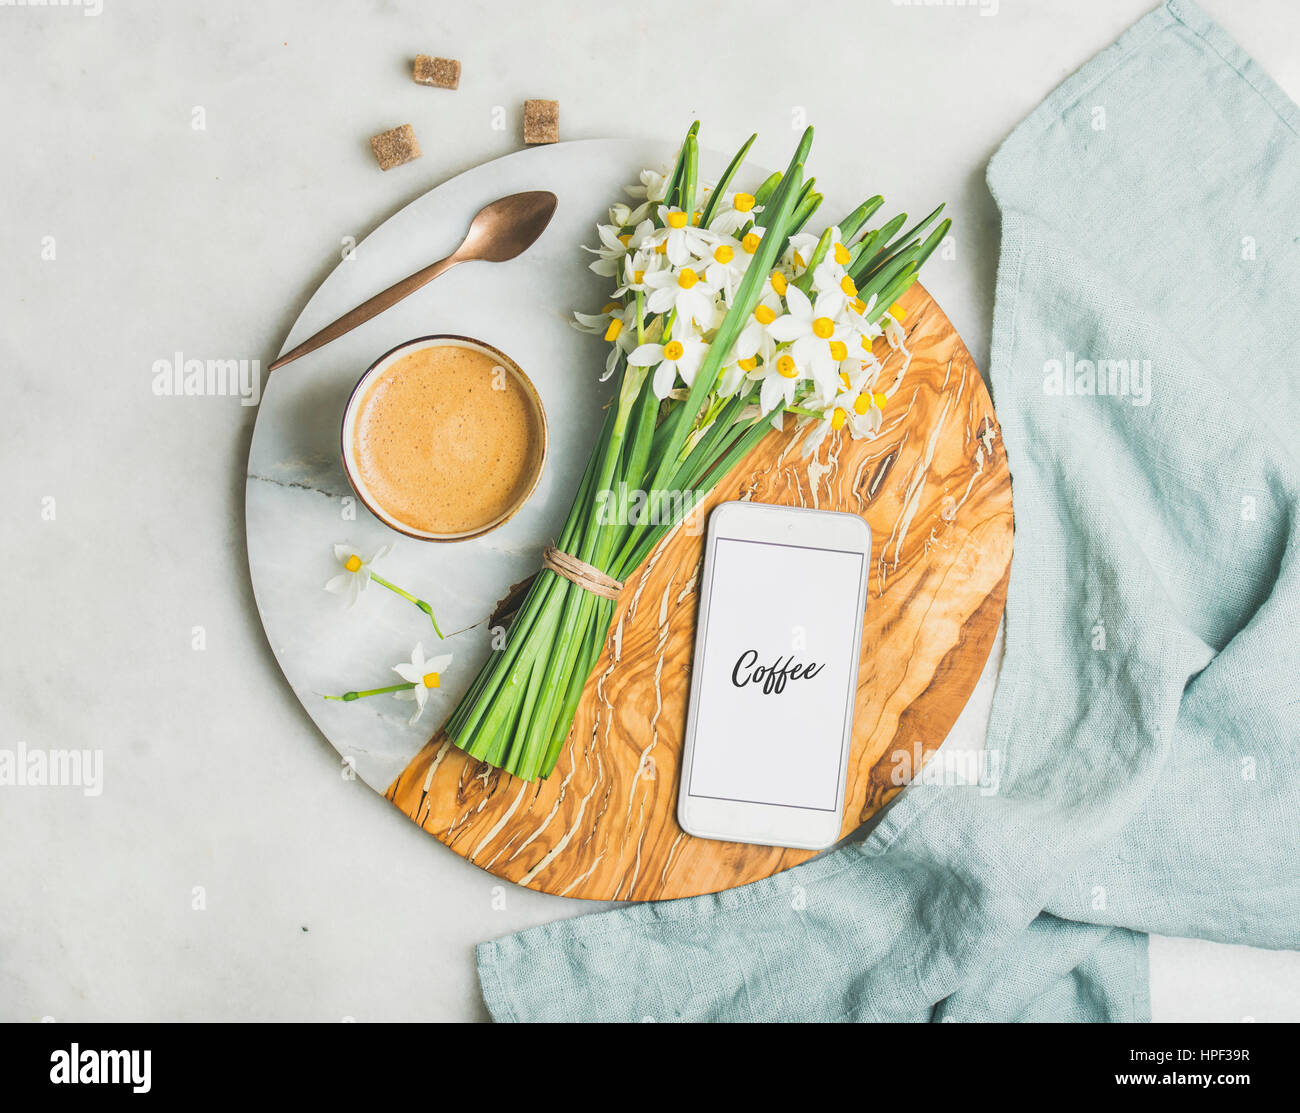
(392, 148)
(541, 121)
(443, 73)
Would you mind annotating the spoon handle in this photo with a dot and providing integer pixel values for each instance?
(368, 309)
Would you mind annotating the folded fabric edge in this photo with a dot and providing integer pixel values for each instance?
(1100, 66)
(494, 991)
(1198, 22)
(1141, 978)
(1091, 74)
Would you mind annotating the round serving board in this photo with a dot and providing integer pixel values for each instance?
(934, 487)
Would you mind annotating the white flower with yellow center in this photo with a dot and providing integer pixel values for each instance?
(862, 343)
(423, 676)
(681, 241)
(859, 375)
(610, 252)
(626, 217)
(684, 291)
(756, 339)
(355, 577)
(670, 359)
(615, 245)
(616, 324)
(817, 340)
(803, 247)
(635, 267)
(838, 290)
(799, 252)
(856, 409)
(897, 338)
(778, 379)
(735, 211)
(751, 241)
(739, 373)
(855, 319)
(893, 326)
(597, 324)
(727, 264)
(653, 187)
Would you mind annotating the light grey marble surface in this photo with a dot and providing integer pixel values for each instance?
(228, 868)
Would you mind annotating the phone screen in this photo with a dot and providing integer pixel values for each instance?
(780, 664)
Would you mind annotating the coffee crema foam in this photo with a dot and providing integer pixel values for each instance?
(447, 440)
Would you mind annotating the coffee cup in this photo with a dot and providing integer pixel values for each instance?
(444, 438)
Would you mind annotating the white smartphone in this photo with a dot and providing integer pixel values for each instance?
(777, 650)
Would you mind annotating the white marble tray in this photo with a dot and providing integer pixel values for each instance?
(298, 499)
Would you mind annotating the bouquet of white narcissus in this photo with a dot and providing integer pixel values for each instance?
(726, 316)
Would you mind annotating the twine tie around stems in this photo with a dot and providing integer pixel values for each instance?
(586, 576)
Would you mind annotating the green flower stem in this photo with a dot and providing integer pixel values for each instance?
(862, 251)
(675, 178)
(554, 675)
(638, 455)
(916, 228)
(526, 712)
(870, 252)
(465, 725)
(497, 733)
(704, 452)
(895, 290)
(884, 272)
(804, 281)
(348, 697)
(808, 203)
(597, 632)
(747, 295)
(854, 222)
(764, 192)
(686, 191)
(738, 449)
(553, 672)
(408, 596)
(711, 206)
(485, 731)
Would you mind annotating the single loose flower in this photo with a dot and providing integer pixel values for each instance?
(418, 677)
(357, 575)
(421, 676)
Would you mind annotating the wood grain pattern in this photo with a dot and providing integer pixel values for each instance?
(935, 489)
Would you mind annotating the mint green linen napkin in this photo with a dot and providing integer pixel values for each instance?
(1148, 701)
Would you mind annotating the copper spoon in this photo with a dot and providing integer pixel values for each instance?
(501, 230)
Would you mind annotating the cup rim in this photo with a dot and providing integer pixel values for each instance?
(349, 414)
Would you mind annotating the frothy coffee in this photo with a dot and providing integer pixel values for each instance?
(447, 439)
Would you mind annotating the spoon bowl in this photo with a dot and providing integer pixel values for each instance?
(508, 227)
